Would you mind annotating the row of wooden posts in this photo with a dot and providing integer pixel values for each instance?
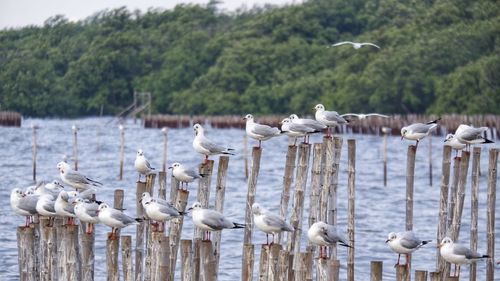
(156, 252)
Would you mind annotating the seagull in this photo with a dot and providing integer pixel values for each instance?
(63, 207)
(22, 204)
(205, 146)
(75, 178)
(316, 125)
(328, 118)
(325, 235)
(296, 130)
(184, 175)
(211, 220)
(362, 116)
(457, 254)
(86, 212)
(454, 143)
(469, 135)
(268, 222)
(45, 207)
(115, 219)
(258, 131)
(53, 188)
(418, 131)
(142, 164)
(158, 210)
(404, 243)
(355, 45)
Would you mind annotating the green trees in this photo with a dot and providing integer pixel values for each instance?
(436, 56)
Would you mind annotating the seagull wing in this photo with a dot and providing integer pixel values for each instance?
(377, 114)
(342, 43)
(265, 130)
(371, 44)
(350, 115)
(210, 146)
(277, 221)
(409, 241)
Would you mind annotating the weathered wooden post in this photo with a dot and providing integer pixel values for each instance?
(430, 159)
(490, 213)
(203, 193)
(175, 231)
(112, 243)
(385, 131)
(248, 262)
(376, 270)
(34, 147)
(457, 212)
(328, 159)
(186, 259)
(127, 258)
(443, 203)
(332, 204)
(402, 272)
(26, 253)
(75, 129)
(315, 184)
(160, 256)
(274, 252)
(301, 265)
(474, 207)
(207, 262)
(351, 175)
(164, 130)
(252, 189)
(48, 250)
(139, 235)
(435, 276)
(291, 155)
(410, 176)
(122, 149)
(453, 190)
(263, 263)
(87, 252)
(283, 264)
(420, 275)
(220, 191)
(245, 154)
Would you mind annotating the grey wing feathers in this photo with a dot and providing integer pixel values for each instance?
(148, 165)
(463, 251)
(334, 116)
(265, 130)
(409, 241)
(192, 173)
(117, 215)
(210, 146)
(215, 220)
(272, 219)
(169, 210)
(300, 128)
(421, 128)
(472, 133)
(70, 208)
(28, 203)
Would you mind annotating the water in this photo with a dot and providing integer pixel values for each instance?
(379, 209)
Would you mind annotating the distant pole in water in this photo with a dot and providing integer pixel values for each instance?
(430, 159)
(385, 131)
(122, 148)
(490, 213)
(34, 149)
(74, 128)
(476, 156)
(164, 130)
(245, 154)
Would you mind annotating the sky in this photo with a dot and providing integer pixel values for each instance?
(19, 13)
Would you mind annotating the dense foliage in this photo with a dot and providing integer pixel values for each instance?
(436, 56)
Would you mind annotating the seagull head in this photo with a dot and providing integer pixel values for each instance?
(449, 137)
(391, 237)
(248, 117)
(198, 129)
(446, 241)
(140, 152)
(319, 107)
(257, 209)
(196, 206)
(102, 207)
(286, 121)
(404, 130)
(293, 117)
(175, 165)
(63, 167)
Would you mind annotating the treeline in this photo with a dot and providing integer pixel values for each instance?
(436, 56)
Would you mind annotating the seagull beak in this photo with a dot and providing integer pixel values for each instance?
(140, 200)
(170, 167)
(190, 208)
(401, 137)
(387, 240)
(439, 245)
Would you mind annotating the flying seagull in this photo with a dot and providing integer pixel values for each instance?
(355, 44)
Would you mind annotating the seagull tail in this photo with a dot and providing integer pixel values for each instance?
(94, 183)
(488, 141)
(139, 219)
(183, 213)
(434, 121)
(485, 257)
(227, 152)
(239, 225)
(425, 242)
(345, 245)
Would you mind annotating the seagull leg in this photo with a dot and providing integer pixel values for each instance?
(458, 272)
(27, 221)
(260, 143)
(399, 256)
(272, 241)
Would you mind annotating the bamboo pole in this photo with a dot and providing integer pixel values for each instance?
(474, 207)
(410, 176)
(174, 187)
(248, 261)
(490, 213)
(139, 235)
(127, 258)
(263, 263)
(149, 262)
(176, 228)
(112, 243)
(402, 272)
(328, 159)
(435, 276)
(220, 191)
(351, 176)
(274, 253)
(245, 153)
(453, 189)
(385, 155)
(332, 204)
(196, 267)
(300, 267)
(186, 258)
(282, 267)
(160, 256)
(26, 254)
(291, 155)
(443, 203)
(162, 185)
(457, 212)
(430, 159)
(298, 200)
(122, 149)
(164, 130)
(334, 266)
(251, 190)
(34, 147)
(376, 270)
(87, 252)
(48, 251)
(207, 272)
(68, 252)
(74, 128)
(420, 275)
(203, 193)
(315, 185)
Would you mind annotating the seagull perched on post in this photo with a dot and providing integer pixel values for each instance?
(205, 146)
(75, 178)
(328, 118)
(142, 164)
(324, 235)
(184, 175)
(296, 130)
(355, 45)
(404, 243)
(258, 131)
(268, 222)
(469, 135)
(458, 254)
(418, 131)
(211, 220)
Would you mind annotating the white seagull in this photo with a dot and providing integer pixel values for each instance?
(328, 118)
(63, 206)
(418, 131)
(86, 212)
(159, 210)
(457, 254)
(75, 178)
(211, 220)
(454, 143)
(469, 135)
(258, 131)
(324, 235)
(404, 243)
(296, 130)
(205, 146)
(268, 222)
(22, 204)
(355, 45)
(184, 175)
(142, 164)
(45, 207)
(115, 219)
(362, 116)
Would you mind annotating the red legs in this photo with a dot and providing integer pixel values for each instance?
(399, 257)
(206, 236)
(90, 228)
(27, 221)
(323, 252)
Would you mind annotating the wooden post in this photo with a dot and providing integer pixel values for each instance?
(160, 256)
(174, 187)
(252, 189)
(274, 253)
(87, 252)
(443, 203)
(164, 130)
(248, 261)
(490, 213)
(26, 253)
(328, 159)
(334, 266)
(315, 185)
(68, 252)
(450, 278)
(351, 175)
(48, 251)
(203, 193)
(300, 267)
(402, 272)
(291, 155)
(430, 160)
(283, 262)
(34, 147)
(298, 200)
(453, 190)
(127, 257)
(112, 243)
(220, 191)
(263, 264)
(74, 128)
(420, 275)
(195, 267)
(376, 270)
(245, 153)
(457, 212)
(186, 259)
(139, 235)
(474, 207)
(207, 272)
(332, 200)
(148, 260)
(122, 149)
(385, 157)
(410, 176)
(175, 230)
(162, 185)
(435, 276)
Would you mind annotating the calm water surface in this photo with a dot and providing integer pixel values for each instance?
(379, 209)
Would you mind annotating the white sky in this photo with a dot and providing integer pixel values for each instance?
(19, 13)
